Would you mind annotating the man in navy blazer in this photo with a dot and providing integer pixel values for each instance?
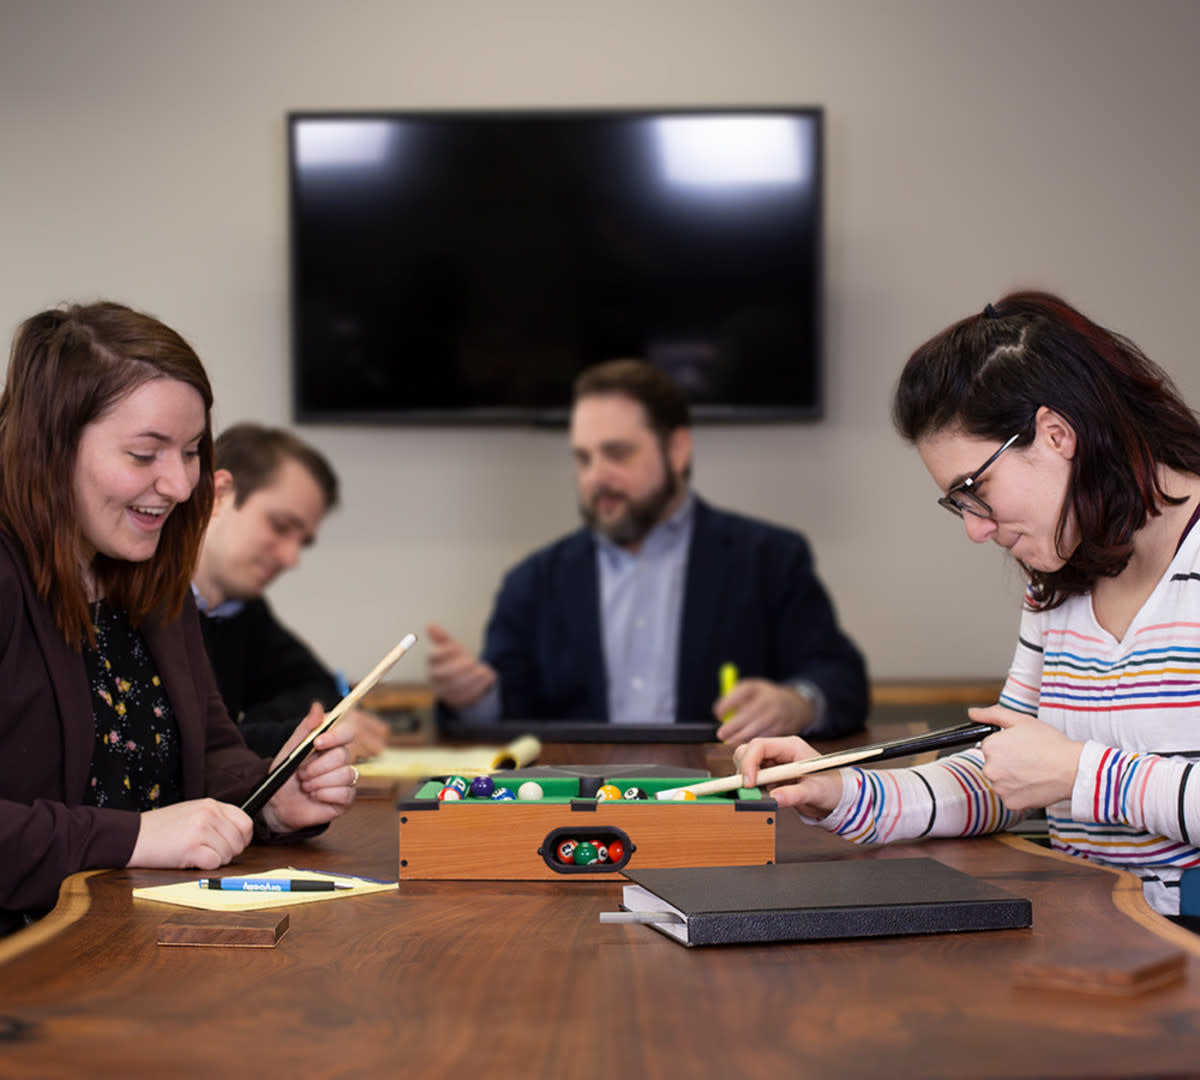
(630, 619)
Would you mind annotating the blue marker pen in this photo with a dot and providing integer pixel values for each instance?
(246, 884)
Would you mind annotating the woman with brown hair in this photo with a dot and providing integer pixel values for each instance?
(115, 748)
(1063, 444)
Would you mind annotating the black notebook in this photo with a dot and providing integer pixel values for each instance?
(815, 901)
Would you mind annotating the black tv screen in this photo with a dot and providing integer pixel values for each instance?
(466, 266)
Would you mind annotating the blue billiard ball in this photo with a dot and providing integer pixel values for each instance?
(483, 786)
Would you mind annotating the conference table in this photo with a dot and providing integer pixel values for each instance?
(522, 979)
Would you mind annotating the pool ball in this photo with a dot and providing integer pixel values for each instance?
(565, 850)
(601, 852)
(608, 791)
(634, 793)
(685, 796)
(482, 786)
(459, 783)
(449, 794)
(503, 794)
(585, 854)
(529, 790)
(616, 851)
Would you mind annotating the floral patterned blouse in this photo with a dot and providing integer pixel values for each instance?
(136, 763)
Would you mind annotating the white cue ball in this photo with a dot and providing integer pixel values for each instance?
(529, 790)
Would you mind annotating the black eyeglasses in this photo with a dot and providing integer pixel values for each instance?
(960, 499)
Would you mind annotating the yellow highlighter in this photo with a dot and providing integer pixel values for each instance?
(727, 677)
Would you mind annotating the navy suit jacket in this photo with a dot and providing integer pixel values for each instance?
(268, 677)
(751, 598)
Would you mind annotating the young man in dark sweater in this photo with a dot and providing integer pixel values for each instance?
(272, 492)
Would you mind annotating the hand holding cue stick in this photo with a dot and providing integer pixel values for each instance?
(793, 770)
(280, 775)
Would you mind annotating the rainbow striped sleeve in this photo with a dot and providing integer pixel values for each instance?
(948, 797)
(1135, 809)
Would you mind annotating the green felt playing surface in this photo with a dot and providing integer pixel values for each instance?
(563, 789)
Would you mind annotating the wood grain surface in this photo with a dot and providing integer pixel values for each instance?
(520, 979)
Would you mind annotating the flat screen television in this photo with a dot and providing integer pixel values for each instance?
(465, 266)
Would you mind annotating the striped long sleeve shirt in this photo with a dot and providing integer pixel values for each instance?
(1133, 703)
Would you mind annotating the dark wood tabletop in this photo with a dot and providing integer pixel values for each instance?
(520, 979)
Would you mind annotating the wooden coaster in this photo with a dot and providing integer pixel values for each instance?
(229, 929)
(1098, 969)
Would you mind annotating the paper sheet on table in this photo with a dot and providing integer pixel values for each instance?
(412, 763)
(190, 894)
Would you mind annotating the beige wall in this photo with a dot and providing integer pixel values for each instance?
(973, 146)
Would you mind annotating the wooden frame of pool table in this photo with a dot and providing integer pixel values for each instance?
(483, 839)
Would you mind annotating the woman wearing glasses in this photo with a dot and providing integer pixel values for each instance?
(1061, 442)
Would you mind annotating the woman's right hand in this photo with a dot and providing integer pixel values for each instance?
(201, 833)
(814, 796)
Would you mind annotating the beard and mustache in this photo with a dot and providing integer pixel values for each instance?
(639, 516)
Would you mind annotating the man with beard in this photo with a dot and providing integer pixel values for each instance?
(629, 619)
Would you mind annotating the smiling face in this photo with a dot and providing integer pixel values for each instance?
(627, 480)
(1025, 488)
(133, 465)
(246, 547)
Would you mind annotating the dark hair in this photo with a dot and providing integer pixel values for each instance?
(253, 453)
(69, 366)
(990, 373)
(666, 405)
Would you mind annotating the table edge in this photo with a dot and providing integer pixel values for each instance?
(74, 901)
(1127, 895)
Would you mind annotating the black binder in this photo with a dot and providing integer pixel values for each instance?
(814, 901)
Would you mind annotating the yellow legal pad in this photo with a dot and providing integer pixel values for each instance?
(417, 762)
(190, 894)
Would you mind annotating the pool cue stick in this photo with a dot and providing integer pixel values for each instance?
(279, 775)
(793, 770)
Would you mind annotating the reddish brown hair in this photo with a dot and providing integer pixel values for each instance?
(989, 373)
(69, 366)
